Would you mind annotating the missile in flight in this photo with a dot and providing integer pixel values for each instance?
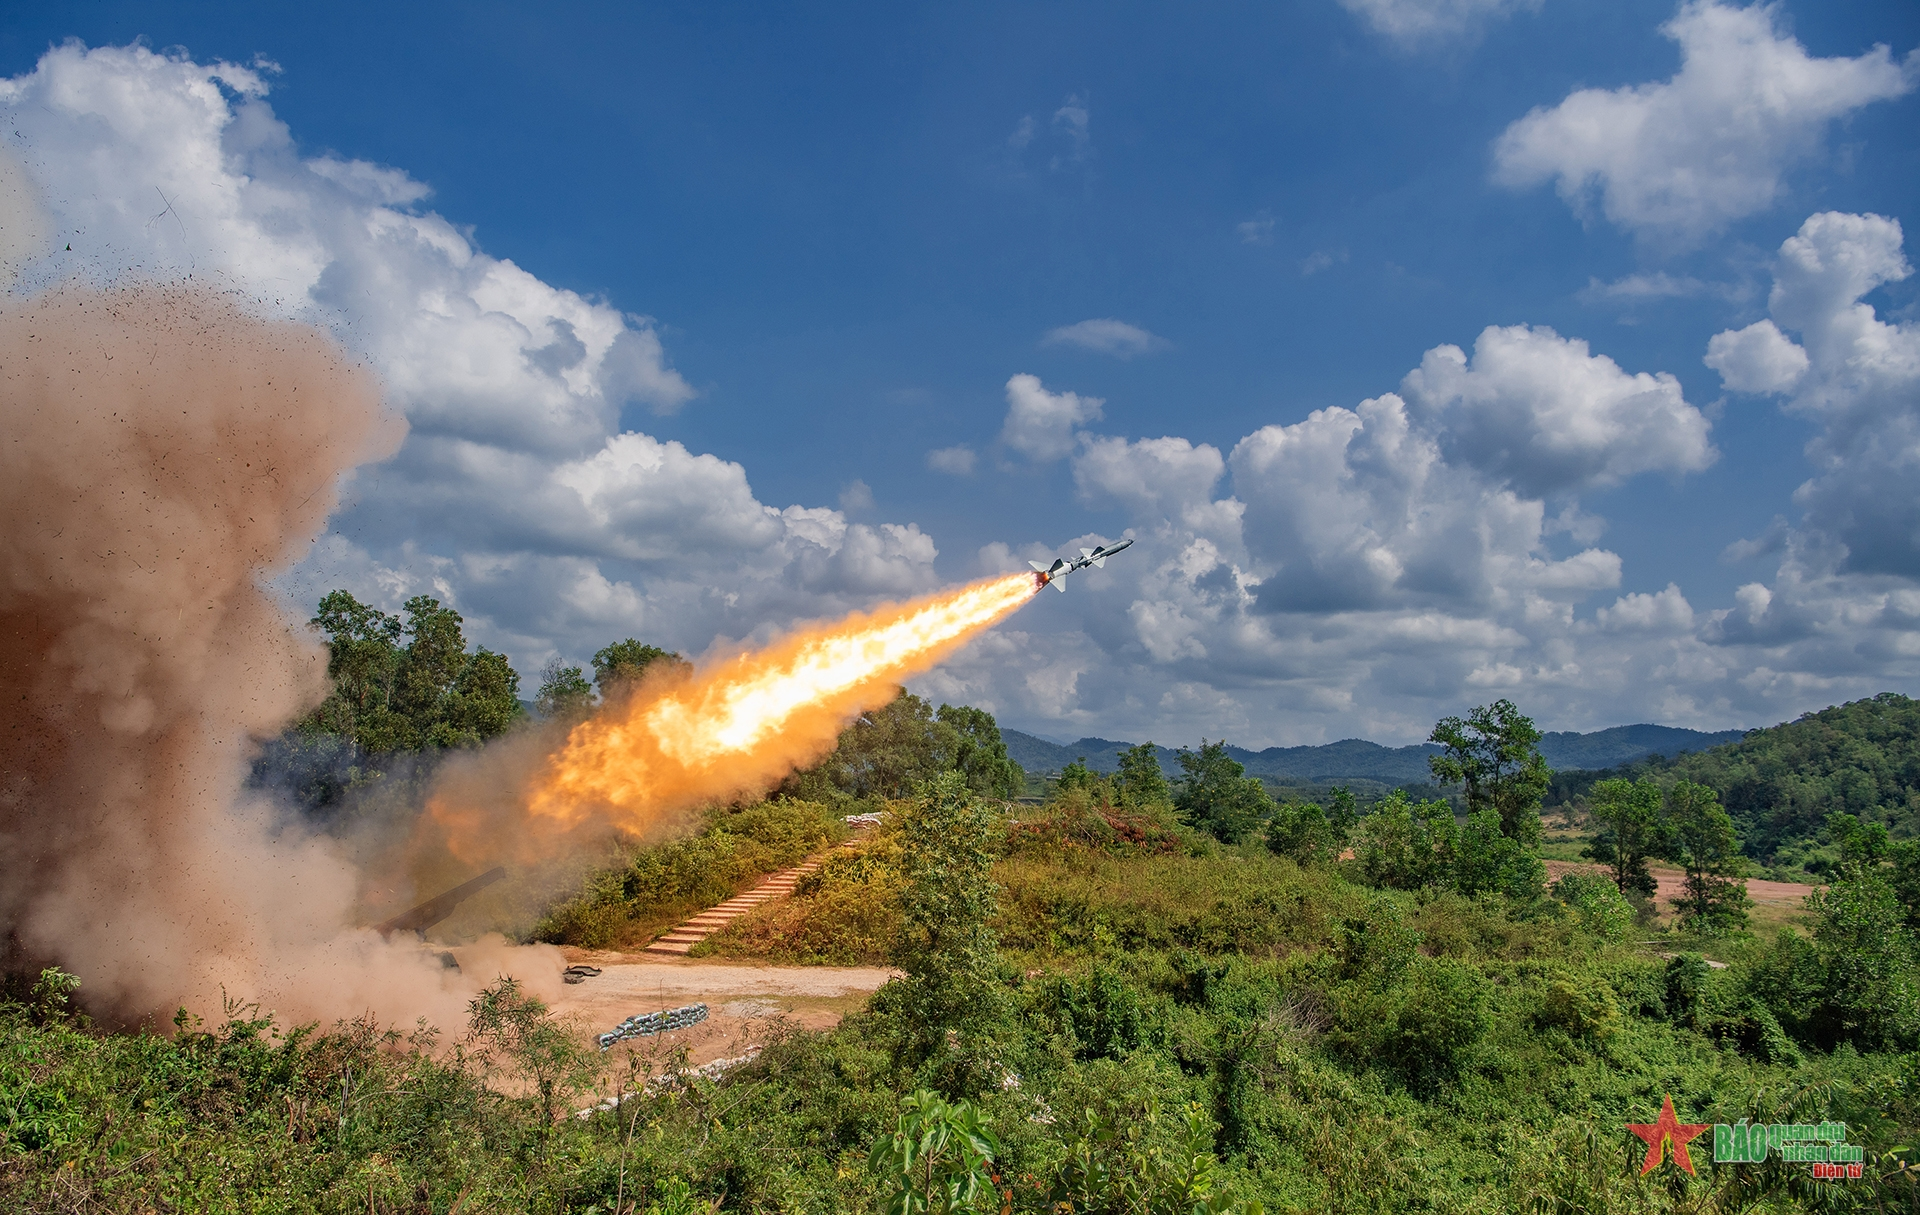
(1050, 575)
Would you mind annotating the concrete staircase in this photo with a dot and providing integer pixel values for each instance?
(676, 943)
(713, 919)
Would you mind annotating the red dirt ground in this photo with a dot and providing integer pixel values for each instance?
(1778, 897)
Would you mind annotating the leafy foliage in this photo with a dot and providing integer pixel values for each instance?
(618, 667)
(1630, 830)
(1140, 782)
(1495, 753)
(662, 883)
(564, 692)
(400, 686)
(946, 945)
(938, 1159)
(890, 751)
(1779, 784)
(1217, 796)
(1704, 843)
(1308, 833)
(1088, 1024)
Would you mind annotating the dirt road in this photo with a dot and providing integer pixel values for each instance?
(744, 1000)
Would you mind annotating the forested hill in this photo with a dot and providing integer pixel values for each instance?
(1355, 759)
(1780, 783)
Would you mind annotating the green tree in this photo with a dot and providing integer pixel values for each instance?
(390, 698)
(621, 665)
(564, 692)
(511, 1032)
(435, 656)
(978, 752)
(1140, 781)
(1300, 830)
(946, 946)
(1601, 907)
(1707, 848)
(1495, 753)
(1217, 796)
(483, 703)
(890, 750)
(1076, 775)
(1343, 817)
(938, 1160)
(1406, 846)
(1905, 879)
(1631, 831)
(1869, 963)
(363, 661)
(1780, 784)
(1486, 860)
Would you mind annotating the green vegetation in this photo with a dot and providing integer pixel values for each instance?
(1217, 796)
(661, 884)
(1111, 1003)
(889, 751)
(1779, 784)
(1120, 1026)
(429, 692)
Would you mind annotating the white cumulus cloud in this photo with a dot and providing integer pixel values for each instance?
(954, 461)
(1685, 157)
(1545, 414)
(1041, 424)
(1757, 359)
(1105, 336)
(1855, 374)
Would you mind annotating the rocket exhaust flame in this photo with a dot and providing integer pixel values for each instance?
(742, 725)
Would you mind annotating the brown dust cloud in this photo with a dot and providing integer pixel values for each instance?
(164, 452)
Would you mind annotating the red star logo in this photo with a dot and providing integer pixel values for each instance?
(1667, 1130)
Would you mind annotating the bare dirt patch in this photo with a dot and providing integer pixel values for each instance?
(1774, 903)
(745, 1001)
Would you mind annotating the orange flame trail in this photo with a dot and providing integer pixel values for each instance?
(743, 725)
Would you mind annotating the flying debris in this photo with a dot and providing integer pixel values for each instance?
(1050, 575)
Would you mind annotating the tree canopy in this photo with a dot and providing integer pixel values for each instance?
(1217, 795)
(1780, 784)
(409, 684)
(890, 751)
(1495, 753)
(621, 665)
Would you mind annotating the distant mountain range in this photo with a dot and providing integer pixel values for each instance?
(1355, 759)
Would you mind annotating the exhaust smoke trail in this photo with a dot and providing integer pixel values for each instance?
(735, 729)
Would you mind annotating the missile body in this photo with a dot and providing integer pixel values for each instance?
(1050, 575)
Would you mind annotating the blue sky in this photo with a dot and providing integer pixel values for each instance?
(851, 230)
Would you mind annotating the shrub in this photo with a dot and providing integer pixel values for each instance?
(1603, 910)
(1583, 1007)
